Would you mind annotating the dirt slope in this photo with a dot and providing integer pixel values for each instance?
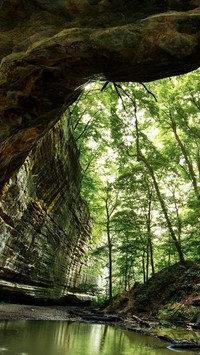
(175, 285)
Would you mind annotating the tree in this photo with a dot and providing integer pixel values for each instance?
(178, 113)
(111, 203)
(139, 155)
(150, 226)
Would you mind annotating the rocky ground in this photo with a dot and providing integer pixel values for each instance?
(87, 314)
(16, 311)
(26, 312)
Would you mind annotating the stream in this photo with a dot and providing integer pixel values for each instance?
(75, 338)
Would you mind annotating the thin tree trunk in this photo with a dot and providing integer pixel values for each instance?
(147, 261)
(143, 267)
(110, 208)
(109, 255)
(109, 247)
(151, 256)
(187, 159)
(150, 245)
(198, 161)
(164, 209)
(169, 253)
(142, 158)
(178, 217)
(126, 271)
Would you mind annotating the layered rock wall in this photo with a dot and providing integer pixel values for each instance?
(44, 223)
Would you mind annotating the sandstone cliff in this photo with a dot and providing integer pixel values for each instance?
(44, 224)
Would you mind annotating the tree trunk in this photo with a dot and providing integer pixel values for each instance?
(143, 267)
(198, 161)
(187, 159)
(178, 217)
(110, 265)
(148, 222)
(141, 157)
(164, 209)
(147, 261)
(126, 270)
(151, 257)
(169, 253)
(109, 252)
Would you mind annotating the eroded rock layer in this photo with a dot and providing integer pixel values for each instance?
(44, 224)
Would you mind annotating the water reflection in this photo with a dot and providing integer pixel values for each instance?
(67, 338)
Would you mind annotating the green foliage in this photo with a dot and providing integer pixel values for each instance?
(89, 288)
(99, 301)
(177, 313)
(140, 157)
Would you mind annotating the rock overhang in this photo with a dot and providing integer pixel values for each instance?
(49, 51)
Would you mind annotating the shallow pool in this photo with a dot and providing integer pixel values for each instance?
(74, 338)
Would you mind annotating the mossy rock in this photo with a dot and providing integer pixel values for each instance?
(177, 312)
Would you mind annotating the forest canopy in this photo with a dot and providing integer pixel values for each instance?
(140, 157)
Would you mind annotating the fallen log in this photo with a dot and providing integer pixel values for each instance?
(141, 321)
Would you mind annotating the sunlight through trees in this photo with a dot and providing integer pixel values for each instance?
(140, 158)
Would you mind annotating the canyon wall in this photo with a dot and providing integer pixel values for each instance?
(44, 223)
